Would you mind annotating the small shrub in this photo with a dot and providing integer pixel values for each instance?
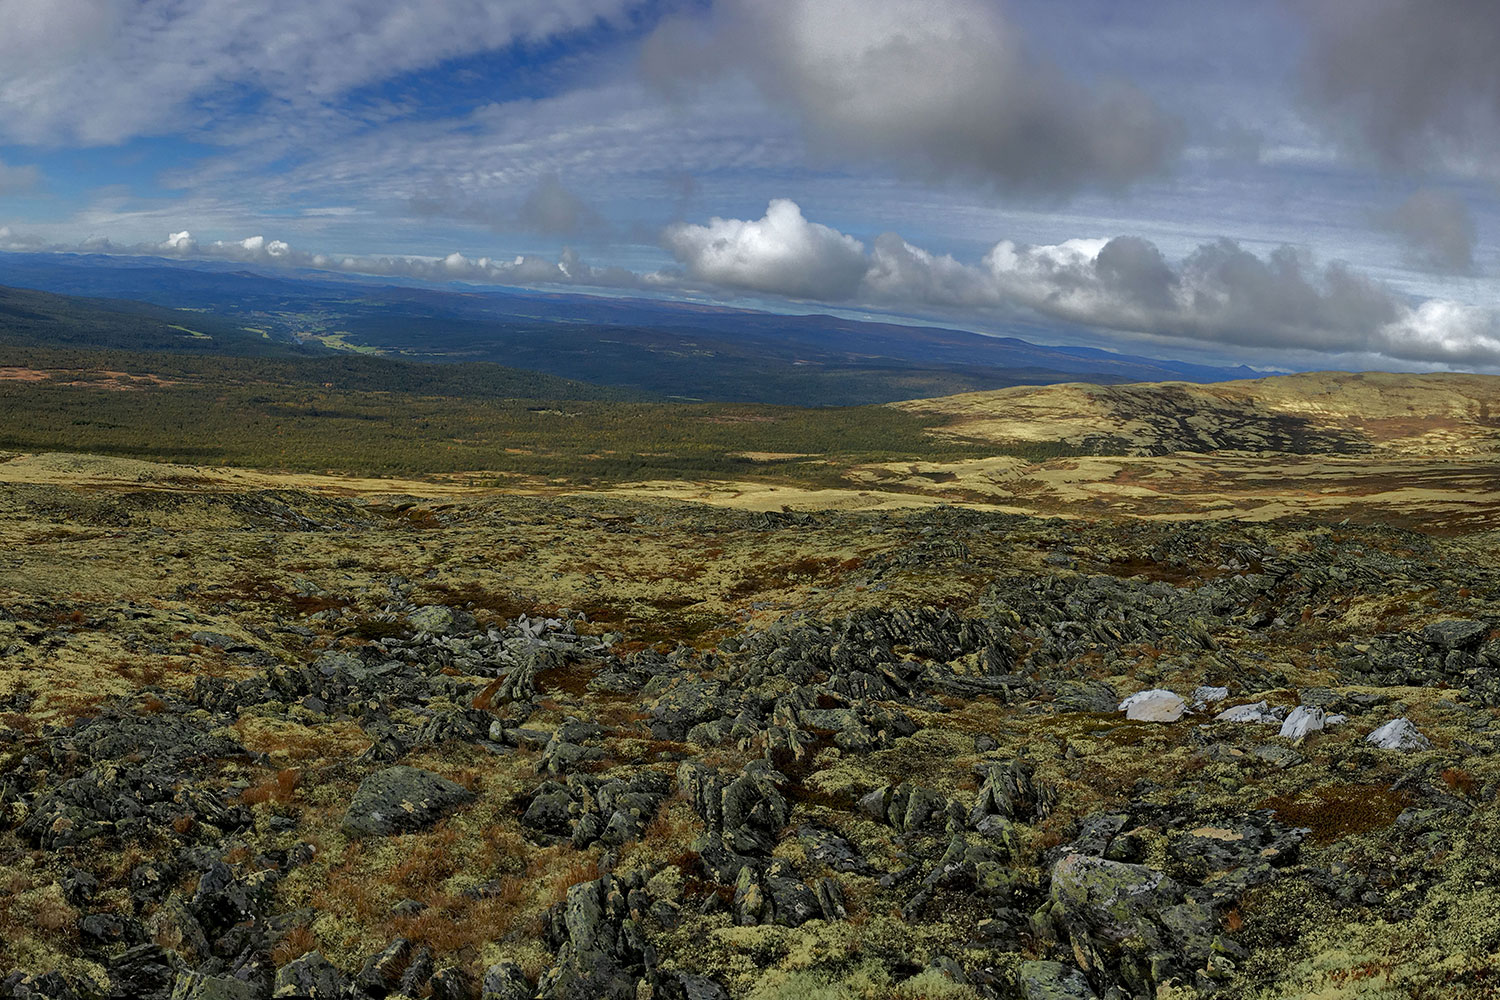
(293, 945)
(278, 788)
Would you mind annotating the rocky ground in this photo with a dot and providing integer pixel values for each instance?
(260, 743)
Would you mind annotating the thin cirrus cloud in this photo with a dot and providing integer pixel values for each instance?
(941, 89)
(1220, 294)
(102, 71)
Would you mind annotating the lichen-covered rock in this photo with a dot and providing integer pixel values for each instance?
(1043, 980)
(439, 620)
(1456, 633)
(195, 986)
(1109, 901)
(383, 970)
(400, 799)
(551, 810)
(748, 810)
(832, 849)
(686, 986)
(1012, 791)
(602, 953)
(1253, 839)
(312, 977)
(505, 981)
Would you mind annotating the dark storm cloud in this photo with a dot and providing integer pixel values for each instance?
(1436, 230)
(940, 89)
(1415, 82)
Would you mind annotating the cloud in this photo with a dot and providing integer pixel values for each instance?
(941, 89)
(553, 210)
(1283, 303)
(101, 71)
(1436, 229)
(548, 207)
(17, 180)
(12, 240)
(781, 253)
(1414, 83)
(568, 269)
(1221, 293)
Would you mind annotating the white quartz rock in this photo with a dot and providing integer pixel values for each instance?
(1258, 712)
(1209, 695)
(1302, 721)
(1399, 734)
(1156, 705)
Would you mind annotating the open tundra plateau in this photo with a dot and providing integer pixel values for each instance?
(1199, 696)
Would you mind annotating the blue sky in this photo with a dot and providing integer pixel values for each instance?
(1305, 183)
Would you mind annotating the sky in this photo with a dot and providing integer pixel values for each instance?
(1282, 183)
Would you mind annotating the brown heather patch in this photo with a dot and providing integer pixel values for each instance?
(329, 742)
(1336, 811)
(21, 723)
(477, 598)
(569, 678)
(1460, 781)
(485, 699)
(293, 945)
(277, 788)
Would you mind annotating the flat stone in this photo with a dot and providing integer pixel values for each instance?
(1456, 633)
(1156, 705)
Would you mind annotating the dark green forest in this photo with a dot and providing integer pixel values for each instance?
(272, 425)
(201, 391)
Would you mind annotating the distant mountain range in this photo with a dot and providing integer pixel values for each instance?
(664, 348)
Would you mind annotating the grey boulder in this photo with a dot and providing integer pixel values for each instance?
(401, 799)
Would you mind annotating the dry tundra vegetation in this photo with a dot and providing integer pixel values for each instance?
(840, 719)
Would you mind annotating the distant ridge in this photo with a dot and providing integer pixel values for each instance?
(672, 349)
(1436, 413)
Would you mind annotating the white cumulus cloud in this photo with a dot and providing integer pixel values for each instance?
(781, 253)
(1221, 293)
